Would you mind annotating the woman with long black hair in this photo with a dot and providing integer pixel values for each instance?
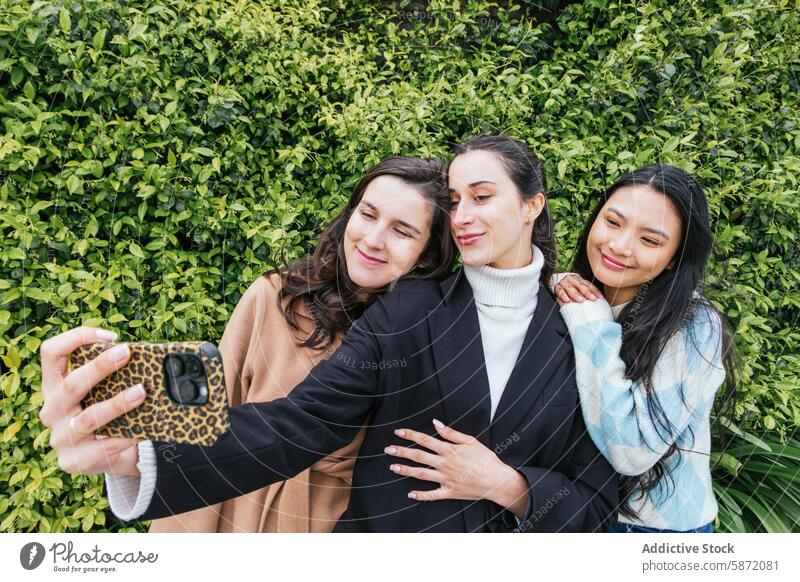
(651, 351)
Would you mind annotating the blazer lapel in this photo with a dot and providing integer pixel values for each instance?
(543, 349)
(461, 373)
(460, 364)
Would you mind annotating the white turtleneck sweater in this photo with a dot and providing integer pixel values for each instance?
(506, 300)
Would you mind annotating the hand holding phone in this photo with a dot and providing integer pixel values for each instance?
(72, 428)
(184, 383)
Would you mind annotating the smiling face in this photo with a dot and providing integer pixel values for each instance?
(633, 239)
(386, 233)
(488, 215)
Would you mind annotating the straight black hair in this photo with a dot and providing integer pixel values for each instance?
(663, 306)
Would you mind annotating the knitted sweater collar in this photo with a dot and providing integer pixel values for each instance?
(617, 309)
(506, 287)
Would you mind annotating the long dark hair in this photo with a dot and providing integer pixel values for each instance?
(525, 169)
(321, 283)
(663, 306)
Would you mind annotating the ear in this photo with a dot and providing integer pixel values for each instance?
(671, 265)
(535, 205)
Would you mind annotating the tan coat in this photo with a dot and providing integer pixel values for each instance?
(262, 362)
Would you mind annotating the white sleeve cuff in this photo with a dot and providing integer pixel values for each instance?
(555, 278)
(576, 314)
(129, 496)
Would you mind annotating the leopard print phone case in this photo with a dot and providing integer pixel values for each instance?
(173, 410)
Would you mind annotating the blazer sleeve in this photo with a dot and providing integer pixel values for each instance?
(273, 441)
(580, 494)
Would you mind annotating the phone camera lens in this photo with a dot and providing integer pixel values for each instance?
(193, 366)
(174, 367)
(185, 379)
(187, 391)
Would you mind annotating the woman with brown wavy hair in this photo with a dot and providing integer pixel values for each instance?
(394, 225)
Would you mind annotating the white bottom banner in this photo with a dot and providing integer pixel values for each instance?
(349, 557)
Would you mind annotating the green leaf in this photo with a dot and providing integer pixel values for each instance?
(11, 384)
(12, 358)
(32, 343)
(751, 438)
(562, 168)
(11, 430)
(136, 250)
(20, 475)
(41, 439)
(74, 184)
(203, 151)
(64, 21)
(771, 522)
(671, 144)
(8, 522)
(99, 39)
(17, 74)
(15, 253)
(29, 92)
(137, 31)
(728, 462)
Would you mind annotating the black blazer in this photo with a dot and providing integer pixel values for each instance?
(415, 355)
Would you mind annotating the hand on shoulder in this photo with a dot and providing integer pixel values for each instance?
(572, 288)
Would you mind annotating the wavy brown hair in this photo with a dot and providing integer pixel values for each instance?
(321, 283)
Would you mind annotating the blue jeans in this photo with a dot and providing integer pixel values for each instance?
(630, 528)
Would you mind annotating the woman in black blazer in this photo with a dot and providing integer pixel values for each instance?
(523, 463)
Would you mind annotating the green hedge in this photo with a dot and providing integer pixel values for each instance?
(157, 156)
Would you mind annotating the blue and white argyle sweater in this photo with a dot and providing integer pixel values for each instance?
(617, 418)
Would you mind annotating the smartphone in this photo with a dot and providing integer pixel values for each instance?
(186, 400)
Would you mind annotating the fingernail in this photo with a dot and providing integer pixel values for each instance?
(437, 423)
(135, 393)
(412, 495)
(119, 353)
(390, 450)
(400, 432)
(393, 468)
(106, 335)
